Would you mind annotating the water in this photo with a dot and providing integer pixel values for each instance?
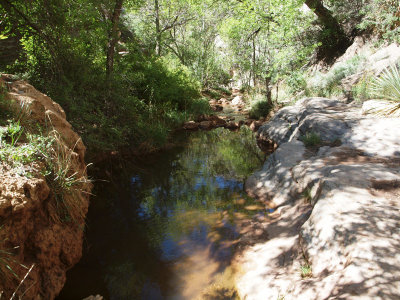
(165, 226)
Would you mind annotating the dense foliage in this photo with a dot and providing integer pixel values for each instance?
(129, 71)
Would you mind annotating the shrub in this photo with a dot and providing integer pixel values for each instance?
(296, 82)
(127, 109)
(325, 84)
(379, 17)
(362, 90)
(223, 90)
(260, 109)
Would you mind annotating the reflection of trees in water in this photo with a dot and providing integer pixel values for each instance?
(172, 195)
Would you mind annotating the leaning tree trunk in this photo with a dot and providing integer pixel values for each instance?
(113, 37)
(335, 41)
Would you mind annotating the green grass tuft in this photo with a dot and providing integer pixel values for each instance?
(311, 139)
(306, 271)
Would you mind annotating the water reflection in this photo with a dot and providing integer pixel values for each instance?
(164, 227)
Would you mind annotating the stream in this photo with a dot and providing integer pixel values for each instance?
(165, 226)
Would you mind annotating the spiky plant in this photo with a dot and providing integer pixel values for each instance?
(387, 87)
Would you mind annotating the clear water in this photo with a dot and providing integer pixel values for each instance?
(165, 226)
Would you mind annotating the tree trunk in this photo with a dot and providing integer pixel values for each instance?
(336, 40)
(113, 37)
(254, 62)
(158, 29)
(268, 89)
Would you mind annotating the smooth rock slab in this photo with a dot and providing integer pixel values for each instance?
(351, 236)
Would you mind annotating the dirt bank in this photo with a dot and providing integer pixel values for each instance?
(37, 240)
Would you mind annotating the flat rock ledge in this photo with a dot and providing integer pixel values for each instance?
(335, 233)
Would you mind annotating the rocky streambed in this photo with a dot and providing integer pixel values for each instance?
(335, 184)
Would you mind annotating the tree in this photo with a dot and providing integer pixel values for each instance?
(113, 37)
(335, 41)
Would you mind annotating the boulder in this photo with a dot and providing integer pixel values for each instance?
(30, 220)
(217, 121)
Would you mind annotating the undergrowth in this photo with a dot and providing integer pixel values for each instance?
(362, 90)
(328, 84)
(259, 106)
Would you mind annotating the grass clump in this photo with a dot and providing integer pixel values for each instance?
(6, 262)
(311, 139)
(65, 183)
(362, 90)
(306, 270)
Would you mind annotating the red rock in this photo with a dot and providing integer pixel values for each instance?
(254, 126)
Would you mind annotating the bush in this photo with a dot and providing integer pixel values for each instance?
(296, 82)
(325, 84)
(380, 18)
(130, 108)
(260, 108)
(362, 91)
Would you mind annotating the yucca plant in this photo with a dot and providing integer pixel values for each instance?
(387, 87)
